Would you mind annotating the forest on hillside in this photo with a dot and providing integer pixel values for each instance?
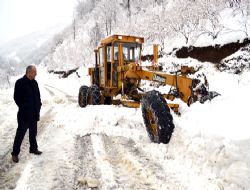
(160, 20)
(170, 23)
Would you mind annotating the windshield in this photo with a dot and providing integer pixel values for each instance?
(131, 51)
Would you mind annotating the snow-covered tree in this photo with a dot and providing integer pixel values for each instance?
(83, 7)
(184, 20)
(95, 35)
(106, 15)
(233, 3)
(210, 17)
(242, 12)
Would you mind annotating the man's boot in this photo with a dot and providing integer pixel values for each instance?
(36, 152)
(15, 158)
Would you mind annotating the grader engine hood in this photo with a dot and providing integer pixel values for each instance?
(131, 72)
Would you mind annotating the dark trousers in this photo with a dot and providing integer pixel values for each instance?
(20, 133)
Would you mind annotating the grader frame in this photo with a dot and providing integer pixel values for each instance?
(113, 76)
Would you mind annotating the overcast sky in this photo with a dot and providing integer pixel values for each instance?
(21, 17)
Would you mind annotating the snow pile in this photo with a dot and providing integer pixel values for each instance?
(237, 62)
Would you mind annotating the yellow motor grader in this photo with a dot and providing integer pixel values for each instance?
(116, 77)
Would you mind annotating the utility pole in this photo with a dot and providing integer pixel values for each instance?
(74, 28)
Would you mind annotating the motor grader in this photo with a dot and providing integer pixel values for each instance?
(116, 78)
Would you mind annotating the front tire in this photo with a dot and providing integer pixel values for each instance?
(83, 96)
(157, 117)
(94, 95)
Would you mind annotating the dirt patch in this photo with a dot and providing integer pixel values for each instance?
(236, 63)
(212, 54)
(65, 74)
(149, 57)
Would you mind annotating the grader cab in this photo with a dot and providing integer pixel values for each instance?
(116, 77)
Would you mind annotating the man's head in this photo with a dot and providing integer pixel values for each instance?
(31, 72)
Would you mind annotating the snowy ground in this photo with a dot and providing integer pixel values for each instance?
(108, 145)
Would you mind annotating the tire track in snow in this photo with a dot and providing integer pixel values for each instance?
(124, 166)
(103, 163)
(85, 165)
(8, 115)
(53, 91)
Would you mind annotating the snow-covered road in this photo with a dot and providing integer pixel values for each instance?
(108, 147)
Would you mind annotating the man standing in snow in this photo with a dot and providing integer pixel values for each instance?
(27, 98)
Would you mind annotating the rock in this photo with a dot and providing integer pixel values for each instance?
(90, 182)
(82, 180)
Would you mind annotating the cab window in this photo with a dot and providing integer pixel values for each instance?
(101, 60)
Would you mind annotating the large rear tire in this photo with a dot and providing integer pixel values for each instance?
(94, 95)
(157, 117)
(83, 96)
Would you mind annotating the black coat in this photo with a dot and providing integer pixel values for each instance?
(27, 98)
